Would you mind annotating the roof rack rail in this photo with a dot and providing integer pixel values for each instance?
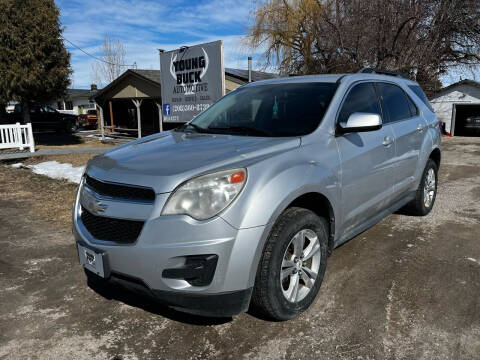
(382, 72)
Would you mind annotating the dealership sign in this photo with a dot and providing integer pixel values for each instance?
(192, 79)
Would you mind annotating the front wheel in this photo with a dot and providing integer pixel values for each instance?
(292, 266)
(73, 127)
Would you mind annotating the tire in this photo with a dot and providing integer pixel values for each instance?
(73, 127)
(420, 206)
(270, 292)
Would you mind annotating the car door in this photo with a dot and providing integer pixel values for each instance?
(366, 161)
(409, 128)
(36, 117)
(51, 119)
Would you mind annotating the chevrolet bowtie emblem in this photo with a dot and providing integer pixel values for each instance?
(92, 202)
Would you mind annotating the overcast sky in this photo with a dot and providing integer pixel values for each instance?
(144, 26)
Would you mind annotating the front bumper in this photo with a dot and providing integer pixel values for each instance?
(218, 305)
(166, 242)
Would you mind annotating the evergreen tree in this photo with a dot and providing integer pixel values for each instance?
(34, 64)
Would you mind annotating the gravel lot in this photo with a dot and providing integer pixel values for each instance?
(408, 288)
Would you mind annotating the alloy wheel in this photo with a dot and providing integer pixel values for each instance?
(429, 188)
(300, 265)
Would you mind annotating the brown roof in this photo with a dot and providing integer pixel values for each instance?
(154, 77)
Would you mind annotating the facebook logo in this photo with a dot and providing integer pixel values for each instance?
(166, 109)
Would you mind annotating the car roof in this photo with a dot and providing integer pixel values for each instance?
(333, 78)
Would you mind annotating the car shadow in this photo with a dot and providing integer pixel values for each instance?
(404, 211)
(139, 300)
(56, 139)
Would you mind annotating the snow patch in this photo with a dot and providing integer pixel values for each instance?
(99, 136)
(55, 170)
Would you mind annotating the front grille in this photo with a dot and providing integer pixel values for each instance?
(108, 229)
(126, 192)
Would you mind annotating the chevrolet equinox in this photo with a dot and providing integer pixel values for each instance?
(242, 206)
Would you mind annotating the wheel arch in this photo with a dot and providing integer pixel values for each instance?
(321, 206)
(436, 156)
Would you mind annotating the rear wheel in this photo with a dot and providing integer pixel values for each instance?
(292, 266)
(426, 192)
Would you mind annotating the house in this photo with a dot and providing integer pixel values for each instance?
(119, 99)
(455, 103)
(76, 101)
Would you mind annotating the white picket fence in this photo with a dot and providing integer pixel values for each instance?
(17, 136)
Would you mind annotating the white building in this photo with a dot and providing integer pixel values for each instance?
(76, 101)
(454, 103)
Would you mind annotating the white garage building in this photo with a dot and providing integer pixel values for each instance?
(454, 103)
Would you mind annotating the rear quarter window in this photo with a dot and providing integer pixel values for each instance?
(419, 92)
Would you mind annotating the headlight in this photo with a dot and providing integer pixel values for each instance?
(205, 196)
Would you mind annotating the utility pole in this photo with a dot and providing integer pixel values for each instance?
(160, 107)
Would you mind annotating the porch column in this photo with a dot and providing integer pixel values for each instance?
(138, 103)
(101, 120)
(111, 114)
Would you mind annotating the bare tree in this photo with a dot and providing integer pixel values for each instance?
(423, 38)
(112, 64)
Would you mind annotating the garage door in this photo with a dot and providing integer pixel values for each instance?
(464, 120)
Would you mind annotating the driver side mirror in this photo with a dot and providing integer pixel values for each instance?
(360, 122)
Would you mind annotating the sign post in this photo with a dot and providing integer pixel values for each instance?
(192, 79)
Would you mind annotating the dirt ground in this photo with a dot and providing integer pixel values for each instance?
(408, 288)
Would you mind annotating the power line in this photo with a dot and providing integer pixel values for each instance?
(93, 56)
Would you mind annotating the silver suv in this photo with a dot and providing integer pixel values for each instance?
(242, 206)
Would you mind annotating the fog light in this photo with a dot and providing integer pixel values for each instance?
(197, 271)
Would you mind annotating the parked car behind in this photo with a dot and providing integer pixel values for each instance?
(89, 120)
(243, 205)
(472, 124)
(43, 118)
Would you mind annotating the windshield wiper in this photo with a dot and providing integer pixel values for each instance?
(241, 129)
(194, 126)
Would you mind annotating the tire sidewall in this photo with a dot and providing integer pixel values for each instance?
(303, 220)
(430, 165)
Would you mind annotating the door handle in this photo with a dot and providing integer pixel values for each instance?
(420, 127)
(387, 141)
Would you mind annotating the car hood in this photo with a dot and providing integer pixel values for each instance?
(165, 160)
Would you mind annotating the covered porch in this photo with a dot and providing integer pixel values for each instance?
(131, 105)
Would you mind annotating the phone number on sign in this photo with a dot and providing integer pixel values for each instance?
(190, 107)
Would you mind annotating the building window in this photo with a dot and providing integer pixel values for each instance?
(60, 105)
(68, 105)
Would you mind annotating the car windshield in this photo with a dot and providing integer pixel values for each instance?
(292, 109)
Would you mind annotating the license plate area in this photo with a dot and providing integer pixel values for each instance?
(92, 260)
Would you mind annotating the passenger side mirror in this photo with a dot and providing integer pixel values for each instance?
(359, 122)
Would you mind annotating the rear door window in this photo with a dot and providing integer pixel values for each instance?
(394, 102)
(361, 98)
